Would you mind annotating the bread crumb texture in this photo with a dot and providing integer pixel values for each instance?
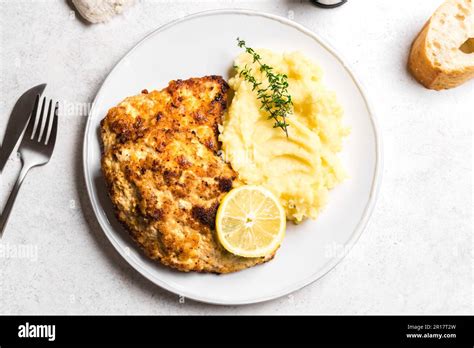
(439, 57)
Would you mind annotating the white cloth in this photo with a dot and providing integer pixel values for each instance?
(96, 11)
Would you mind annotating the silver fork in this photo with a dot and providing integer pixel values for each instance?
(35, 148)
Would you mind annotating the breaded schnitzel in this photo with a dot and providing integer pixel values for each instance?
(165, 177)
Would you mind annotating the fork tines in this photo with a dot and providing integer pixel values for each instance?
(42, 123)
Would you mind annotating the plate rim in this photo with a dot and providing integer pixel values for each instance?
(358, 230)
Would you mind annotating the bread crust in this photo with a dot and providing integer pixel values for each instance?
(429, 73)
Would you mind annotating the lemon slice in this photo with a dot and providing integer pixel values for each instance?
(250, 222)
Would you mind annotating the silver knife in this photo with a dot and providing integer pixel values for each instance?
(16, 124)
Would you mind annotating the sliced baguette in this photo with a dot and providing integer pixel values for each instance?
(436, 59)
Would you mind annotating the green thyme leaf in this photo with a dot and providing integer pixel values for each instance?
(274, 99)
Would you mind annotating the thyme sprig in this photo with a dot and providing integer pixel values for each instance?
(273, 96)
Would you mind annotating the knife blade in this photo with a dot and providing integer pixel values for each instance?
(16, 123)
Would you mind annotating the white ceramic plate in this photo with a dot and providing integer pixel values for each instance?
(205, 44)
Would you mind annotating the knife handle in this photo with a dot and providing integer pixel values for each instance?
(9, 205)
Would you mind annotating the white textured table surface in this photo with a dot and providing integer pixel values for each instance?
(414, 257)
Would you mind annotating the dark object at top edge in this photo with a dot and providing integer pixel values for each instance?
(321, 5)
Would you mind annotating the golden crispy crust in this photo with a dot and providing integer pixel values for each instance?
(419, 64)
(165, 177)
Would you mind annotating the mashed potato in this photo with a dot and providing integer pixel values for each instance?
(299, 170)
